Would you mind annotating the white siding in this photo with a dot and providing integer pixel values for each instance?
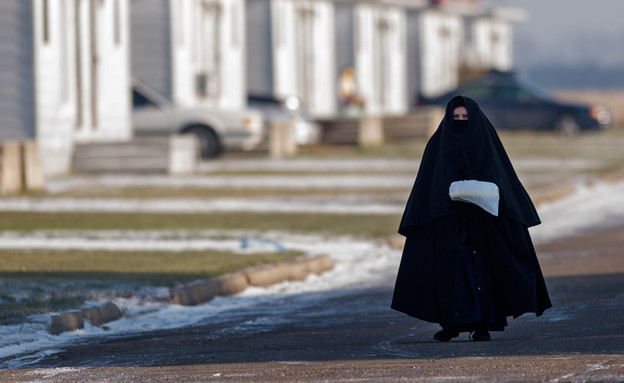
(284, 48)
(233, 91)
(112, 75)
(54, 85)
(303, 53)
(182, 37)
(323, 95)
(381, 59)
(364, 59)
(64, 71)
(491, 45)
(208, 41)
(396, 89)
(440, 42)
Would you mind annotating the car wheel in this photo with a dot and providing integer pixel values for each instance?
(209, 145)
(567, 126)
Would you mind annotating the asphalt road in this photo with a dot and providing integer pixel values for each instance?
(354, 336)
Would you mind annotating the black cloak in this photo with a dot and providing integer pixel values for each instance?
(435, 282)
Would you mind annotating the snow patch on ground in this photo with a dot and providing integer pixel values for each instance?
(253, 182)
(335, 205)
(591, 207)
(134, 241)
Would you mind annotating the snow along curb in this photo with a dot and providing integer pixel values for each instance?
(295, 270)
(202, 291)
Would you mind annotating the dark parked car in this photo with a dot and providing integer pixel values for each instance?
(513, 104)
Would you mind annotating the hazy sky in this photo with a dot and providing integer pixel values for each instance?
(568, 32)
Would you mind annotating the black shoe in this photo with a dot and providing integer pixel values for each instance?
(445, 335)
(480, 335)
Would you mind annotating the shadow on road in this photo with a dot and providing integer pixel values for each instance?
(358, 325)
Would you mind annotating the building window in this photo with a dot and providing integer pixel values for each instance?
(46, 22)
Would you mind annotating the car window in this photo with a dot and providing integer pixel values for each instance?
(261, 104)
(537, 91)
(263, 100)
(139, 101)
(517, 95)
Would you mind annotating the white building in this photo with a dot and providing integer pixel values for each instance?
(191, 51)
(384, 53)
(450, 38)
(381, 58)
(302, 47)
(67, 67)
(291, 51)
(490, 38)
(436, 44)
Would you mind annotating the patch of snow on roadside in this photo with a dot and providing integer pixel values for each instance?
(591, 207)
(334, 205)
(289, 181)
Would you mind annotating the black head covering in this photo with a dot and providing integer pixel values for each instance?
(460, 151)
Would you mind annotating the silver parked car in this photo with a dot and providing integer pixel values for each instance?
(216, 129)
(289, 109)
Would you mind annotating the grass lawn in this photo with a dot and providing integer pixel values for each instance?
(370, 226)
(592, 144)
(60, 280)
(15, 311)
(161, 268)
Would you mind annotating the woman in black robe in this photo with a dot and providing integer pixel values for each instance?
(463, 267)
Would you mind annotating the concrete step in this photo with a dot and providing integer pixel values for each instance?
(139, 155)
(420, 122)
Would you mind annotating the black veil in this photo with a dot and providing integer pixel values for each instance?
(451, 154)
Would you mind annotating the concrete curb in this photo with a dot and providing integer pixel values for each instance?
(266, 276)
(295, 270)
(74, 320)
(68, 321)
(201, 291)
(98, 315)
